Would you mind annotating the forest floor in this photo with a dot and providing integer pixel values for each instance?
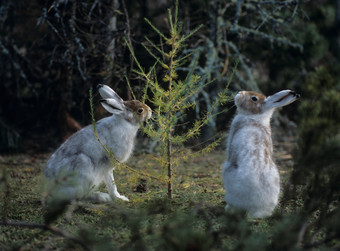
(149, 221)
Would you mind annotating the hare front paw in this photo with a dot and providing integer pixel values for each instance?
(122, 197)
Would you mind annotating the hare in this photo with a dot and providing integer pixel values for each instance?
(250, 176)
(81, 164)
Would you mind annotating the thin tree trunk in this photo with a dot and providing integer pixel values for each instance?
(170, 131)
(169, 166)
(169, 141)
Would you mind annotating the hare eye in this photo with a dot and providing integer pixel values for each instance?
(254, 99)
(140, 110)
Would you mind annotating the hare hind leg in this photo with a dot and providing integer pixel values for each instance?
(78, 181)
(60, 192)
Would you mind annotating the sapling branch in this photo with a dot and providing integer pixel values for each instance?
(112, 157)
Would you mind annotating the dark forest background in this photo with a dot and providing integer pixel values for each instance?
(53, 52)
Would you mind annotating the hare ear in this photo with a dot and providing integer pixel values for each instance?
(112, 106)
(107, 93)
(280, 99)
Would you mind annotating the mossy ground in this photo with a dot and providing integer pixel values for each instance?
(194, 218)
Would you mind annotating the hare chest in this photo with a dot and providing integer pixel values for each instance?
(118, 135)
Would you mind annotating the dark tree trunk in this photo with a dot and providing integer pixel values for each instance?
(110, 30)
(336, 35)
(66, 124)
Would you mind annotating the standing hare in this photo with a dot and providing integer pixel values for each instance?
(250, 176)
(81, 164)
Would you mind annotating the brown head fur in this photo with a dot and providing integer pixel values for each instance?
(141, 110)
(249, 102)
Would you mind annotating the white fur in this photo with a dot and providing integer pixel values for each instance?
(81, 164)
(250, 176)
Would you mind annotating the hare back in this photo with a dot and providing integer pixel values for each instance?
(70, 154)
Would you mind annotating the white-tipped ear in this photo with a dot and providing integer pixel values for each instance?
(112, 106)
(106, 92)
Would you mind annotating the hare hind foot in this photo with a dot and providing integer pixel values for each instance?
(99, 197)
(230, 209)
(260, 214)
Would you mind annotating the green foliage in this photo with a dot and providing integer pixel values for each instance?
(315, 45)
(320, 123)
(316, 31)
(171, 96)
(316, 173)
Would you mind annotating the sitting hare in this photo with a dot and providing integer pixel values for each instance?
(250, 176)
(81, 164)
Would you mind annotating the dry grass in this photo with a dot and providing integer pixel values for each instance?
(198, 201)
